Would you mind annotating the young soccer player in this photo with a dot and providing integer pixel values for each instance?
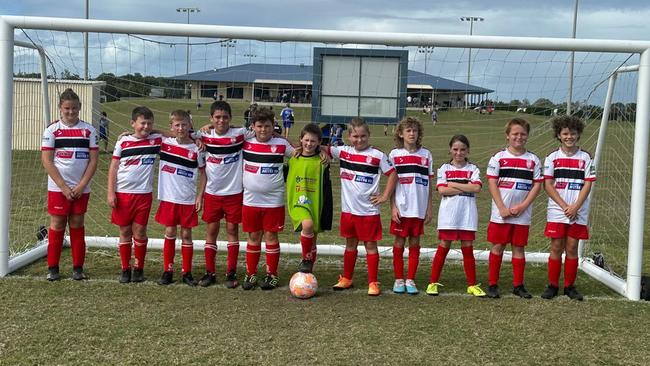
(514, 180)
(224, 191)
(180, 164)
(309, 194)
(411, 206)
(130, 186)
(568, 174)
(458, 183)
(287, 119)
(361, 165)
(69, 156)
(103, 130)
(263, 209)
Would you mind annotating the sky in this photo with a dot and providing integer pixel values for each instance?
(513, 74)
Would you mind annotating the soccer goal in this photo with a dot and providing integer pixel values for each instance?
(474, 93)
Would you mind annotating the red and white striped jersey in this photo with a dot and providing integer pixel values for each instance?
(263, 177)
(360, 177)
(137, 157)
(414, 173)
(515, 175)
(224, 160)
(570, 174)
(179, 169)
(72, 146)
(458, 212)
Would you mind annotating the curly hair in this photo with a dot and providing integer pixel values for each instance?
(573, 123)
(408, 122)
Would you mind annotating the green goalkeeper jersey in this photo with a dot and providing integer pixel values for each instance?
(309, 192)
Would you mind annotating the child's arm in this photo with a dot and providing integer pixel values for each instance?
(112, 180)
(571, 211)
(549, 187)
(496, 197)
(448, 190)
(394, 211)
(88, 174)
(519, 208)
(377, 199)
(468, 187)
(47, 159)
(198, 203)
(429, 213)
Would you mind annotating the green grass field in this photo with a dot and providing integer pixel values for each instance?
(103, 322)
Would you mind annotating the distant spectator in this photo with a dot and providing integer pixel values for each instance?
(327, 132)
(103, 130)
(215, 96)
(434, 116)
(287, 119)
(221, 97)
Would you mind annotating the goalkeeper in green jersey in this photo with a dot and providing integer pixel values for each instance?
(309, 193)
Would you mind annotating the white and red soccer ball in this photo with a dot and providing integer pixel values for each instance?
(303, 285)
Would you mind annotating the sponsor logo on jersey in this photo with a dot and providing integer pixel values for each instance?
(251, 168)
(307, 180)
(560, 185)
(465, 194)
(347, 176)
(521, 186)
(506, 184)
(405, 180)
(231, 159)
(45, 139)
(132, 162)
(304, 200)
(184, 173)
(364, 179)
(168, 169)
(421, 181)
(269, 170)
(81, 155)
(575, 186)
(213, 160)
(62, 154)
(148, 161)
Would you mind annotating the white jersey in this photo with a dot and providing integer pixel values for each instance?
(263, 177)
(224, 160)
(515, 175)
(72, 146)
(177, 176)
(458, 212)
(414, 173)
(137, 157)
(570, 174)
(360, 177)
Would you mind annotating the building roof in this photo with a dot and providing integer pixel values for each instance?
(302, 74)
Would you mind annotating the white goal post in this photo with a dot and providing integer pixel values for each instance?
(629, 288)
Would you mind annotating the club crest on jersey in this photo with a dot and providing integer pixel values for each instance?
(424, 161)
(581, 164)
(233, 140)
(274, 148)
(529, 164)
(368, 159)
(152, 142)
(190, 155)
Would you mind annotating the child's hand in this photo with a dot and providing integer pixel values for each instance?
(206, 128)
(377, 199)
(325, 158)
(296, 152)
(571, 211)
(111, 199)
(198, 203)
(123, 134)
(428, 216)
(68, 193)
(395, 215)
(199, 143)
(77, 191)
(505, 212)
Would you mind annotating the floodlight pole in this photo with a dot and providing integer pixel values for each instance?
(570, 92)
(6, 116)
(471, 21)
(187, 46)
(86, 46)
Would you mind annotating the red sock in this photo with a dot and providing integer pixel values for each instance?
(494, 268)
(554, 269)
(349, 261)
(125, 254)
(518, 266)
(140, 252)
(54, 246)
(78, 246)
(169, 249)
(252, 258)
(272, 258)
(187, 251)
(414, 260)
(314, 251)
(438, 262)
(233, 253)
(570, 271)
(210, 252)
(469, 264)
(398, 262)
(306, 242)
(373, 266)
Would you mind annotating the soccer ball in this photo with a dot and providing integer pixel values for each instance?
(303, 285)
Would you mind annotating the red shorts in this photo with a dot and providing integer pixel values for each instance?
(216, 208)
(364, 228)
(558, 230)
(515, 234)
(408, 227)
(58, 205)
(172, 214)
(130, 208)
(453, 235)
(256, 219)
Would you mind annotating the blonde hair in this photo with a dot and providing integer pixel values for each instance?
(179, 114)
(518, 121)
(408, 122)
(358, 122)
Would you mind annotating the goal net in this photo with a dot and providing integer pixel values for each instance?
(472, 93)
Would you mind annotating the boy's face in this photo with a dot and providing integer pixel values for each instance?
(359, 138)
(569, 138)
(517, 137)
(263, 130)
(410, 136)
(220, 121)
(69, 110)
(180, 126)
(309, 143)
(142, 126)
